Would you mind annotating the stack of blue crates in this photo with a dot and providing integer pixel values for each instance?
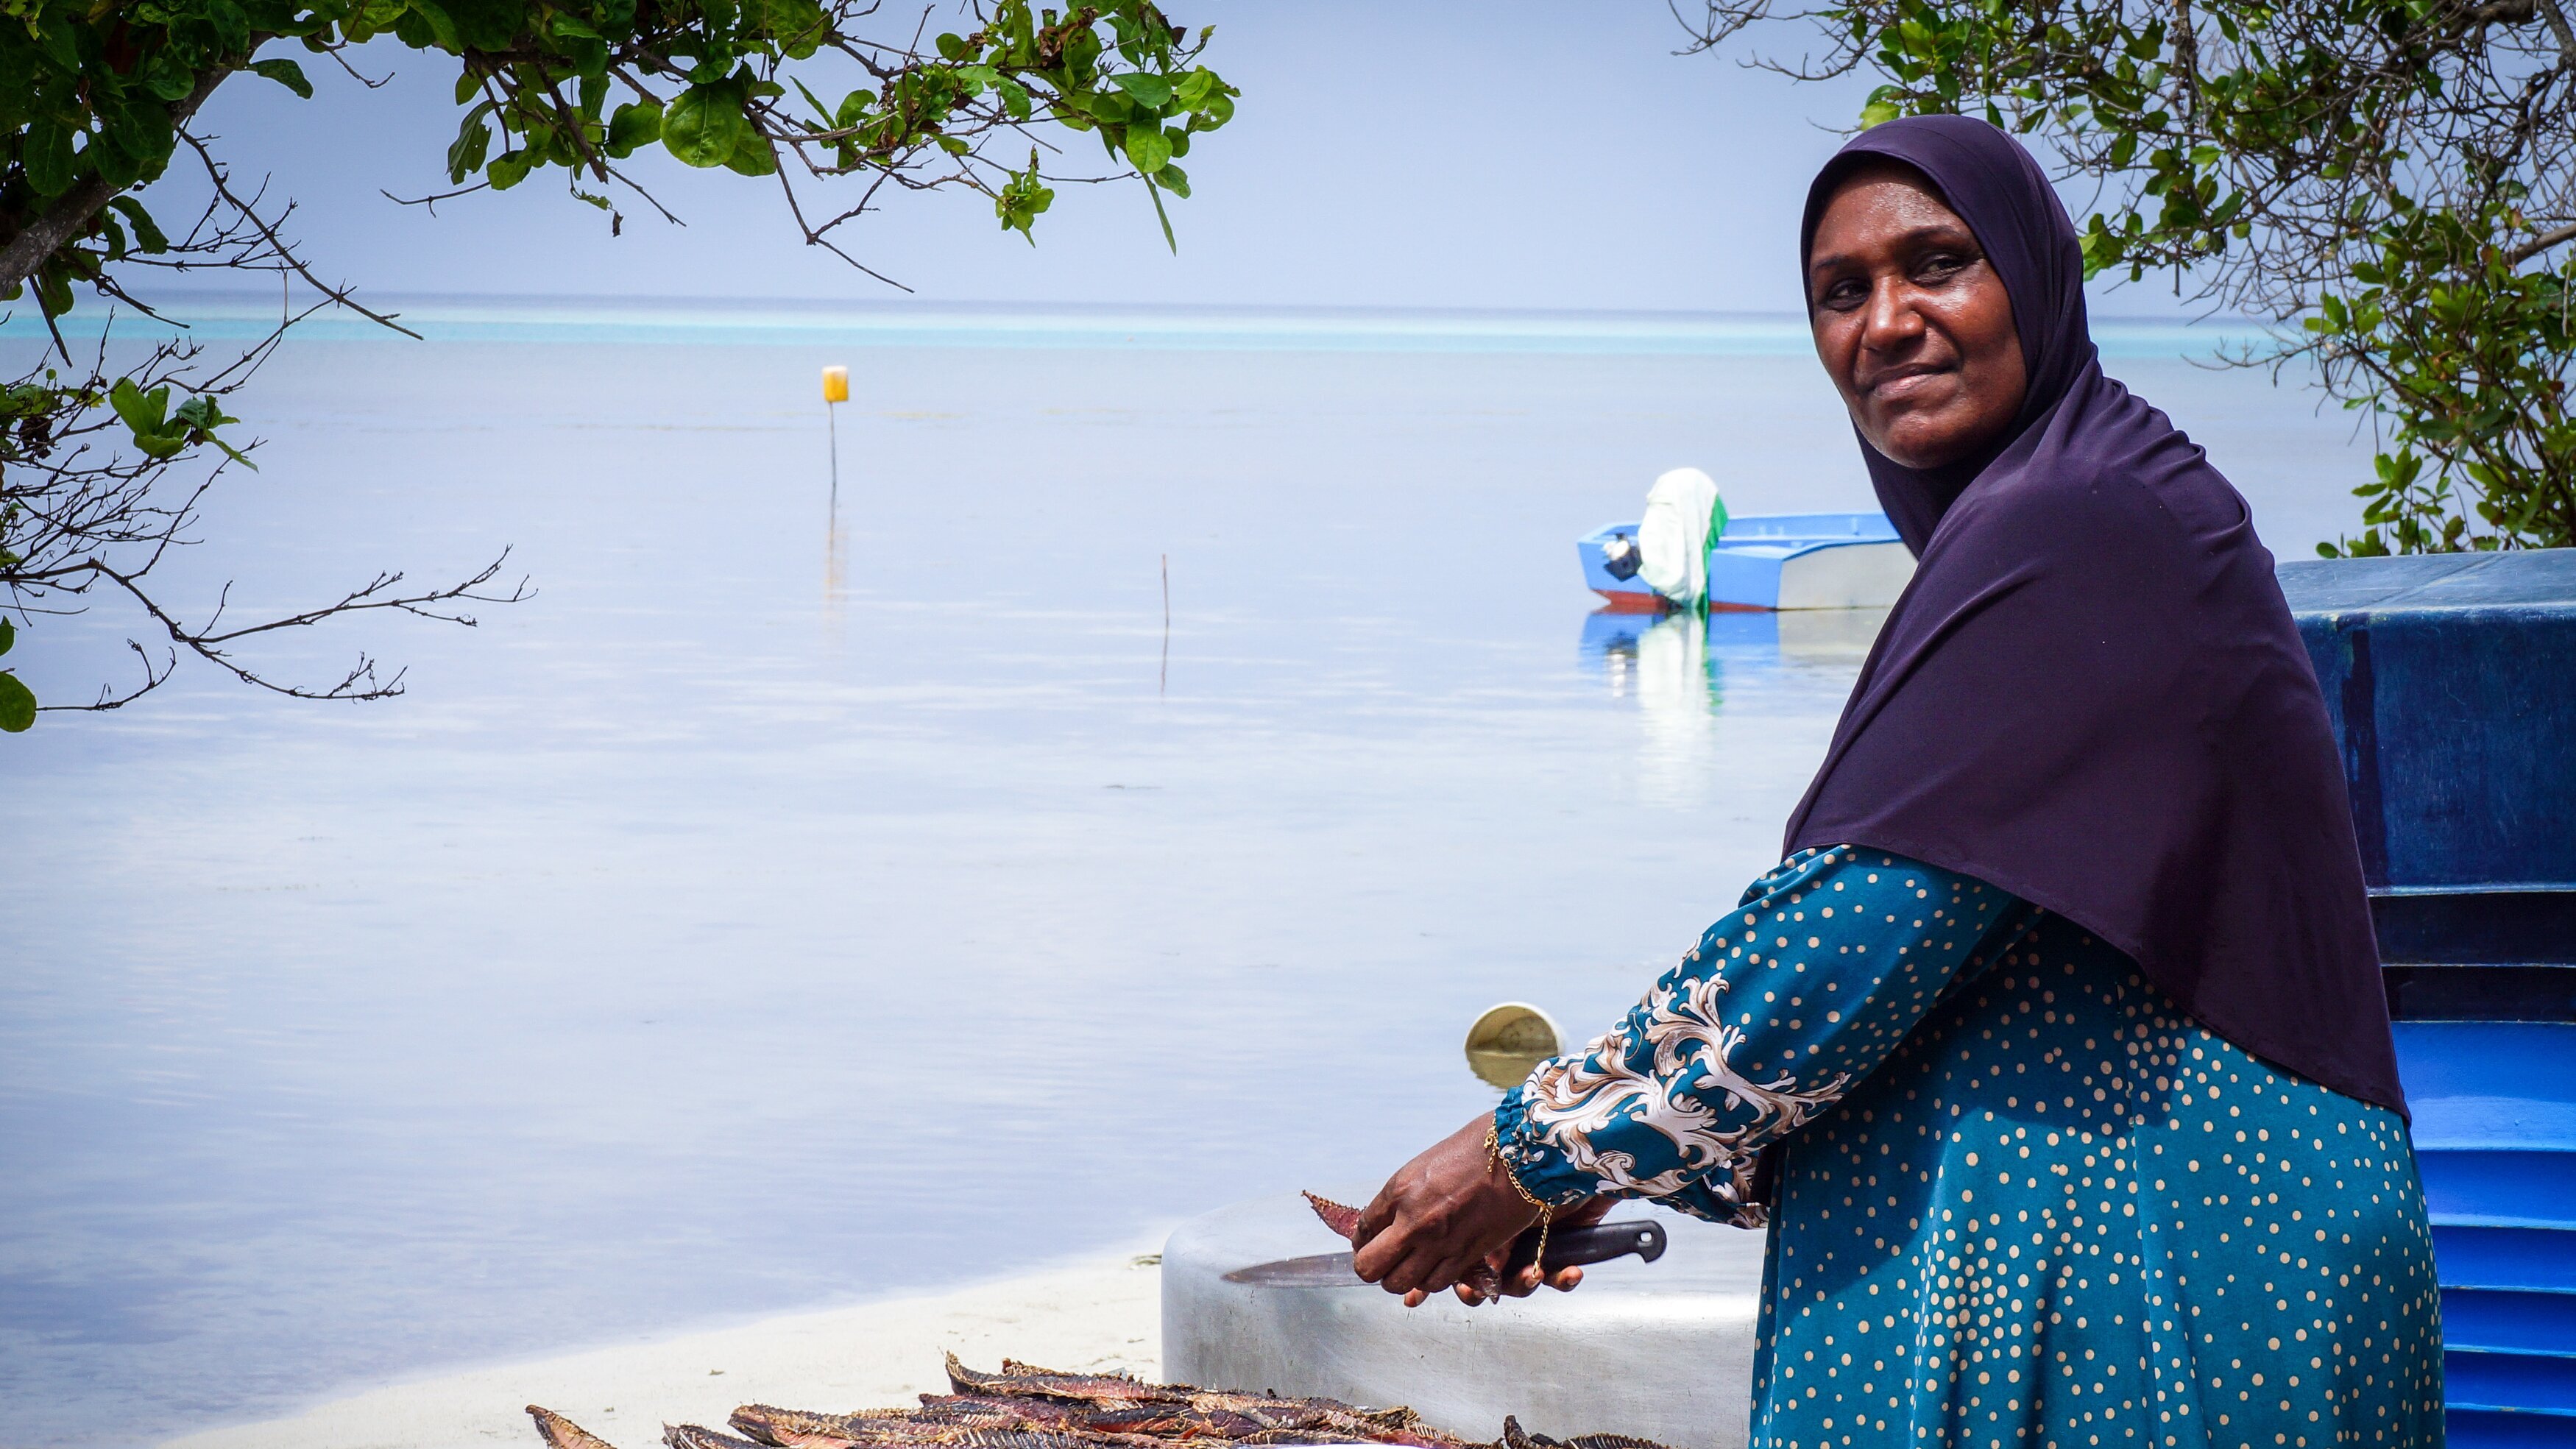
(2452, 682)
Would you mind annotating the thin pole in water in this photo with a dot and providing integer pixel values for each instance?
(836, 391)
(1163, 680)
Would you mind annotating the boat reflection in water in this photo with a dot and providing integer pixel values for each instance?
(1681, 667)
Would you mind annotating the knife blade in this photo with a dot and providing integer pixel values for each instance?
(1574, 1246)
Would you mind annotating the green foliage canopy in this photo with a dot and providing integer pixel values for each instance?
(2393, 182)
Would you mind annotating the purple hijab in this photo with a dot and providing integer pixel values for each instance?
(2092, 695)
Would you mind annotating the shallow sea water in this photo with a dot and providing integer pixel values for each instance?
(795, 902)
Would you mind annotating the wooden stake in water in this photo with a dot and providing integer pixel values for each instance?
(1163, 680)
(836, 391)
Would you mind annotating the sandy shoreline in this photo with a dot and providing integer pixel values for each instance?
(1096, 1315)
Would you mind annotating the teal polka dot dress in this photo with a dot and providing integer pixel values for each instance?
(2020, 1198)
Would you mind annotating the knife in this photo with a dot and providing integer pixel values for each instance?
(1596, 1244)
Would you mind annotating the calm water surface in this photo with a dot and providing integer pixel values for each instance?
(777, 911)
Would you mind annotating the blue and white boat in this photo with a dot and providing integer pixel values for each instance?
(1766, 561)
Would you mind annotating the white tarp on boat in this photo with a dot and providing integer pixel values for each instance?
(1672, 541)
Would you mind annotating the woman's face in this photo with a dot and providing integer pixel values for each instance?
(1911, 321)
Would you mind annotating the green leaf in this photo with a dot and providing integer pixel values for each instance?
(55, 39)
(146, 231)
(1878, 113)
(47, 157)
(509, 169)
(232, 26)
(426, 25)
(816, 102)
(17, 704)
(1148, 149)
(1022, 198)
(705, 124)
(487, 24)
(1150, 91)
(202, 411)
(635, 124)
(8, 635)
(753, 157)
(286, 73)
(122, 157)
(144, 412)
(473, 142)
(797, 25)
(167, 76)
(1162, 216)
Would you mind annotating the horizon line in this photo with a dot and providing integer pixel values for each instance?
(230, 315)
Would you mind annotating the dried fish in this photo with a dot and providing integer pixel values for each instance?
(797, 1429)
(1515, 1438)
(1018, 1379)
(1023, 1407)
(563, 1433)
(1342, 1220)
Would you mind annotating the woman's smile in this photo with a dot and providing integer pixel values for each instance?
(1910, 380)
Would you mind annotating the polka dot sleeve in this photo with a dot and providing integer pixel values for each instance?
(1790, 999)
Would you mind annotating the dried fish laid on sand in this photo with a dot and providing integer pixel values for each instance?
(1515, 1438)
(563, 1433)
(1023, 1407)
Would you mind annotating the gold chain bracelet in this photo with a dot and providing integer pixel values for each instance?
(1494, 1162)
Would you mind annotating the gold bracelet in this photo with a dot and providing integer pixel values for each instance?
(1546, 1215)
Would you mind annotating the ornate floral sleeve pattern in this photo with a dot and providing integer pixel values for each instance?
(1798, 993)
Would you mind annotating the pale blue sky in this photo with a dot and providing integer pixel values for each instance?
(1503, 154)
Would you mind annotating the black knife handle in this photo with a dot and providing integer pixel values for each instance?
(1599, 1243)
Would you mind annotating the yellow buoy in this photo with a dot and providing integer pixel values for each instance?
(836, 390)
(1508, 1040)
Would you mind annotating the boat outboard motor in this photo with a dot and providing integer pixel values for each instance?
(1620, 558)
(1683, 519)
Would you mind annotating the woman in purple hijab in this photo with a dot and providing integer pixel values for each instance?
(2053, 1056)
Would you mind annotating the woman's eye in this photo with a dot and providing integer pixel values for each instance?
(1843, 295)
(1941, 266)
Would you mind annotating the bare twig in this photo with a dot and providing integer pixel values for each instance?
(340, 296)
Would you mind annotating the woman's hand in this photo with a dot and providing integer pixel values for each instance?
(1448, 1211)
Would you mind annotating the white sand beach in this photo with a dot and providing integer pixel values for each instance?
(1094, 1316)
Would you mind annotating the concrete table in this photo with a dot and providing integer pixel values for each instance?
(1660, 1350)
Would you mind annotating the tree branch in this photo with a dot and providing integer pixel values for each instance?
(2558, 25)
(2541, 243)
(71, 213)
